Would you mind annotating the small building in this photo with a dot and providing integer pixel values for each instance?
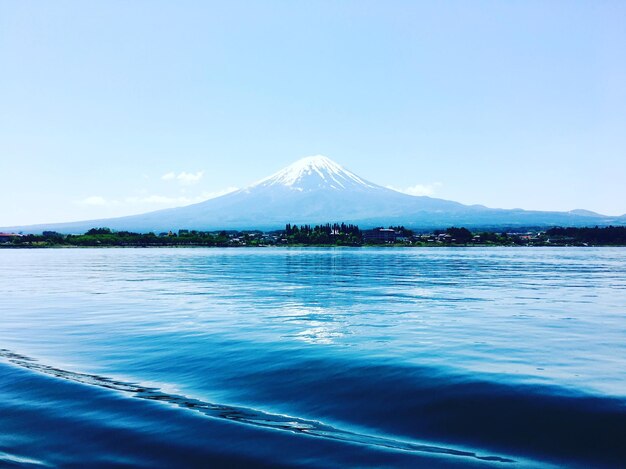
(8, 237)
(379, 235)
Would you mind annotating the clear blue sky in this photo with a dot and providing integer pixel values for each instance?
(114, 107)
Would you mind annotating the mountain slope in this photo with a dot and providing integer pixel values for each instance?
(318, 190)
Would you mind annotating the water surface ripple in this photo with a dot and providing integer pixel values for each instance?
(393, 357)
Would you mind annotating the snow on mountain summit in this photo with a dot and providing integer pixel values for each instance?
(315, 172)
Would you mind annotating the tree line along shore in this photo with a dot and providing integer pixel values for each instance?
(336, 234)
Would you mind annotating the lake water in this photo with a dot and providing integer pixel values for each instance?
(494, 357)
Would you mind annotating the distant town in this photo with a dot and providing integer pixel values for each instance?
(324, 235)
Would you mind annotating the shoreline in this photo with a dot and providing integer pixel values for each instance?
(300, 246)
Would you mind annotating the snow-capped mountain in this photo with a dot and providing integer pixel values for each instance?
(313, 173)
(318, 190)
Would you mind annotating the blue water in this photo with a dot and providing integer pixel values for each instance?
(495, 357)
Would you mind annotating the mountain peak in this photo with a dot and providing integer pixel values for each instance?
(315, 172)
(584, 213)
(315, 161)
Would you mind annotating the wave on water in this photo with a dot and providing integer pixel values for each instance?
(244, 415)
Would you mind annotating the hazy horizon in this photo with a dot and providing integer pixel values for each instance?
(112, 109)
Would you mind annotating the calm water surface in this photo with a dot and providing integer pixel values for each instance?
(498, 357)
